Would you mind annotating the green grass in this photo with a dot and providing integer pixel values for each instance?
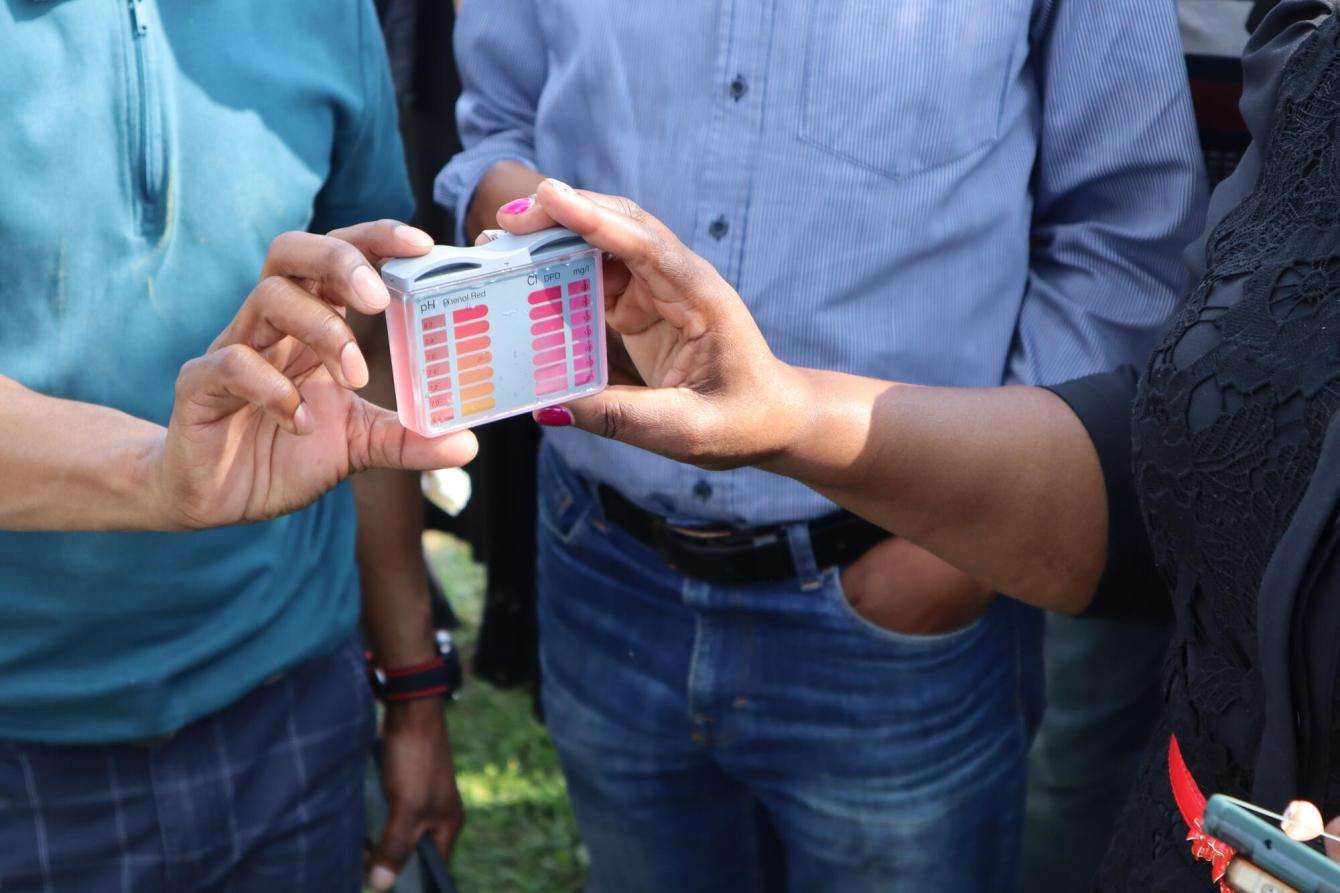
(519, 831)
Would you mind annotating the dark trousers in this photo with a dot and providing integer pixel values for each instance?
(264, 795)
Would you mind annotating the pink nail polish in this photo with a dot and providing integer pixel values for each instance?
(554, 417)
(520, 206)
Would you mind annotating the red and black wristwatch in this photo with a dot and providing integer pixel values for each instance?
(439, 677)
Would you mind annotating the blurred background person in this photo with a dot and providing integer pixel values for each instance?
(498, 520)
(747, 686)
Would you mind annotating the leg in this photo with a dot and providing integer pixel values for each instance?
(887, 762)
(264, 795)
(298, 756)
(617, 644)
(78, 819)
(1103, 701)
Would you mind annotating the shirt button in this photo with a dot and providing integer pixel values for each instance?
(702, 490)
(718, 229)
(739, 87)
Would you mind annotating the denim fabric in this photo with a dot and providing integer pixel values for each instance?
(701, 725)
(265, 795)
(1104, 699)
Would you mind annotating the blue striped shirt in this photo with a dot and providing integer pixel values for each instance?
(935, 191)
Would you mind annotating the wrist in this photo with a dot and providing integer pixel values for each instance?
(420, 715)
(141, 468)
(412, 642)
(436, 679)
(796, 420)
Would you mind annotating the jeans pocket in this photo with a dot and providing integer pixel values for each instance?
(853, 618)
(903, 86)
(564, 502)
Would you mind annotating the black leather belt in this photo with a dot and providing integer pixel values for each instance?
(733, 555)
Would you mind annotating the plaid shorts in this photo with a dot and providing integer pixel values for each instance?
(264, 795)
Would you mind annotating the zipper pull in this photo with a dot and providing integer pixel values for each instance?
(137, 22)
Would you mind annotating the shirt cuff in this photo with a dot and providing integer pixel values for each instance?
(455, 185)
(1131, 586)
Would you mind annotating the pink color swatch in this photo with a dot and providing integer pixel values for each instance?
(558, 370)
(549, 385)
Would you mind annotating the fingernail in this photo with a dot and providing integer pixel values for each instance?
(413, 235)
(491, 234)
(559, 185)
(381, 878)
(303, 422)
(352, 364)
(369, 287)
(520, 206)
(554, 417)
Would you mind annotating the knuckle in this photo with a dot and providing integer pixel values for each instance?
(279, 393)
(232, 361)
(339, 257)
(629, 208)
(270, 290)
(188, 375)
(332, 330)
(284, 242)
(614, 421)
(674, 265)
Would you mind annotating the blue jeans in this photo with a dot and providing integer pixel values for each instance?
(1104, 700)
(729, 737)
(264, 795)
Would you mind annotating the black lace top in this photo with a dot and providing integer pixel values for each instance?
(1228, 423)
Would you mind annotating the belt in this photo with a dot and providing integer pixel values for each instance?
(734, 555)
(1191, 804)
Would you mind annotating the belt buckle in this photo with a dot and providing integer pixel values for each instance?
(665, 534)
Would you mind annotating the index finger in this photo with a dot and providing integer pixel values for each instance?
(619, 226)
(381, 240)
(342, 274)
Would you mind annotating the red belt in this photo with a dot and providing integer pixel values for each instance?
(1191, 803)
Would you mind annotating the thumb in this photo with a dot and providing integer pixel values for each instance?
(1333, 848)
(524, 215)
(618, 226)
(673, 422)
(378, 440)
(392, 851)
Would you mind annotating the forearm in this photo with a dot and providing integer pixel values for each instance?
(66, 465)
(505, 181)
(1003, 483)
(397, 616)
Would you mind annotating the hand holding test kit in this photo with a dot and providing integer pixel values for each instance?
(480, 334)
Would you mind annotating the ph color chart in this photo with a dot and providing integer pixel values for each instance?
(528, 340)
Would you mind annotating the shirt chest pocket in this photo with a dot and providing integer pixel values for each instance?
(904, 86)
